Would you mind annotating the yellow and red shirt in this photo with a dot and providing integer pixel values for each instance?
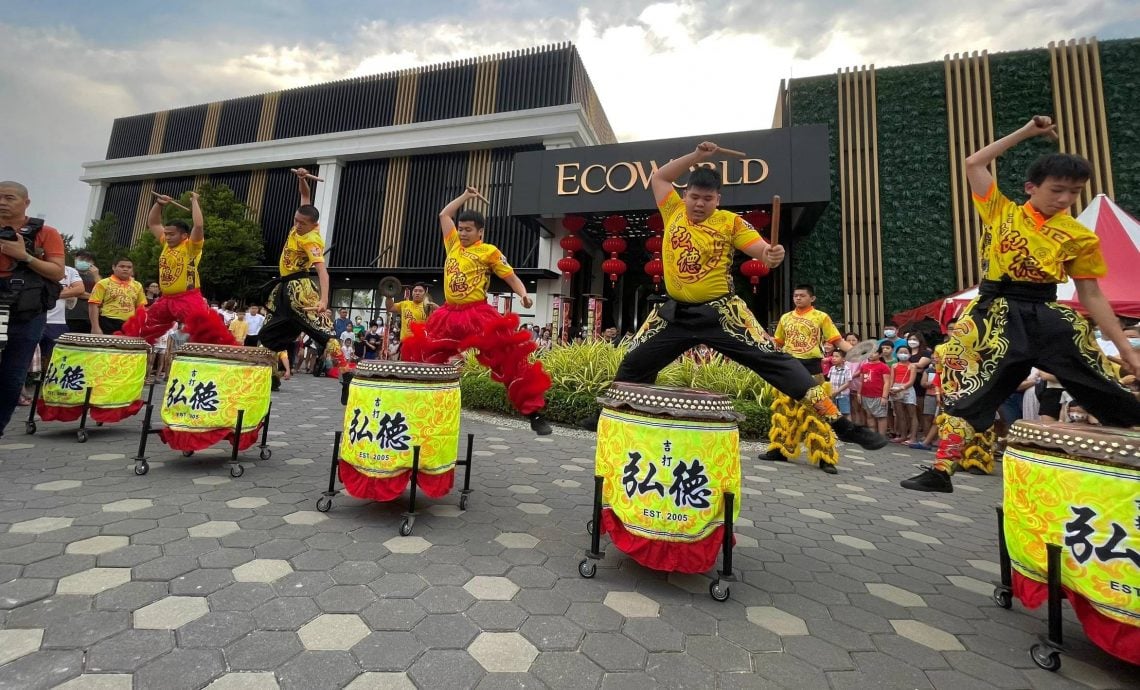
(302, 251)
(1020, 244)
(409, 312)
(178, 267)
(118, 299)
(467, 270)
(698, 256)
(801, 333)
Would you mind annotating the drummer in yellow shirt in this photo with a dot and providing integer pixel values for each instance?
(115, 299)
(414, 310)
(466, 321)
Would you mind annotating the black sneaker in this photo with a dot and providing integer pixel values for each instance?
(930, 480)
(849, 432)
(774, 455)
(828, 468)
(539, 425)
(590, 423)
(975, 470)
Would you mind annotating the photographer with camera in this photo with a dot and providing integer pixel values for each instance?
(31, 266)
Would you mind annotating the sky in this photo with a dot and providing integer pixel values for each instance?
(72, 66)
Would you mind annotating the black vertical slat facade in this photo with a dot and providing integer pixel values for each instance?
(281, 202)
(184, 129)
(236, 180)
(517, 241)
(339, 106)
(238, 120)
(130, 136)
(432, 182)
(535, 79)
(359, 209)
(174, 186)
(122, 199)
(445, 93)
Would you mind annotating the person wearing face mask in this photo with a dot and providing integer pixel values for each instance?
(903, 398)
(891, 337)
(78, 318)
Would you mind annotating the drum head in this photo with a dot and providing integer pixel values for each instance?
(669, 402)
(117, 342)
(1100, 443)
(236, 353)
(861, 351)
(410, 371)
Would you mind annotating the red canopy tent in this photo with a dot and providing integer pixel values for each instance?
(1119, 235)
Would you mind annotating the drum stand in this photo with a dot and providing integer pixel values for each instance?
(80, 433)
(324, 503)
(236, 468)
(1046, 653)
(717, 590)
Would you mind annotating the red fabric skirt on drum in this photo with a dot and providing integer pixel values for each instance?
(1115, 637)
(359, 485)
(70, 413)
(669, 556)
(199, 440)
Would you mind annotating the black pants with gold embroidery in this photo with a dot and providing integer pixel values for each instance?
(727, 326)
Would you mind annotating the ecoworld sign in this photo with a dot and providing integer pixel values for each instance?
(791, 162)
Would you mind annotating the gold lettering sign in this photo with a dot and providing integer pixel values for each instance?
(572, 179)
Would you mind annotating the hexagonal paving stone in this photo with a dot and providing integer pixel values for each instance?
(245, 681)
(919, 537)
(503, 652)
(534, 508)
(93, 581)
(632, 604)
(927, 635)
(170, 613)
(58, 485)
(262, 570)
(299, 461)
(17, 642)
(214, 528)
(211, 481)
(333, 631)
(517, 540)
(305, 517)
(128, 505)
(97, 545)
(99, 681)
(446, 668)
(445, 510)
(40, 525)
(381, 681)
(853, 542)
(971, 585)
(778, 621)
(247, 502)
(818, 514)
(491, 588)
(895, 595)
(407, 545)
(522, 489)
(899, 520)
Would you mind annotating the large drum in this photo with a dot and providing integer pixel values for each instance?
(393, 407)
(667, 456)
(1078, 487)
(206, 387)
(113, 367)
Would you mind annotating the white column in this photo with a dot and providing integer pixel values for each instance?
(327, 193)
(95, 200)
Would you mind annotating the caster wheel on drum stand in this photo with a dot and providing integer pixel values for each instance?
(324, 504)
(1044, 657)
(236, 471)
(98, 423)
(30, 428)
(187, 453)
(81, 436)
(718, 590)
(141, 468)
(406, 527)
(1002, 597)
(587, 568)
(265, 454)
(590, 527)
(463, 502)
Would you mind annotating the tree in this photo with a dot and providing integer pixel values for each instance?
(101, 241)
(233, 244)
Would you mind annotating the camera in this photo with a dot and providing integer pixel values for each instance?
(8, 233)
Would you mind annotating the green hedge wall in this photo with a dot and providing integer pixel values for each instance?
(1120, 72)
(817, 258)
(1021, 86)
(914, 192)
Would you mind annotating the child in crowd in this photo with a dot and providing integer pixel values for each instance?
(903, 398)
(931, 402)
(839, 376)
(876, 384)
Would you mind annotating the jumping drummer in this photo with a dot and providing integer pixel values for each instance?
(697, 253)
(466, 321)
(1016, 322)
(415, 310)
(178, 281)
(294, 305)
(802, 334)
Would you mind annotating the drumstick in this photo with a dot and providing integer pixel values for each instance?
(732, 152)
(482, 198)
(172, 201)
(308, 175)
(775, 220)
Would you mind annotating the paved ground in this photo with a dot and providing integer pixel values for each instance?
(187, 578)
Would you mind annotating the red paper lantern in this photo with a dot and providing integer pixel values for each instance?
(755, 270)
(655, 223)
(613, 245)
(653, 244)
(613, 268)
(758, 219)
(573, 223)
(656, 269)
(569, 265)
(571, 243)
(615, 224)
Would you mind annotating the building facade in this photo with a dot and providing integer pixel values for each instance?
(900, 231)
